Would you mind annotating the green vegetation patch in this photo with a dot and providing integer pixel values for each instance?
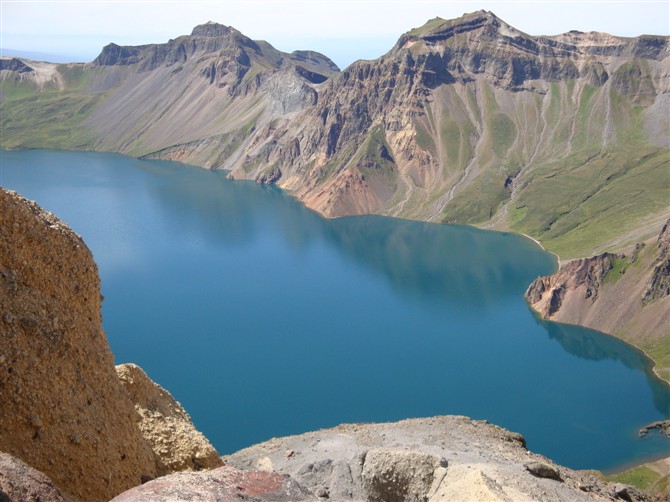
(48, 119)
(642, 477)
(374, 157)
(455, 138)
(431, 25)
(423, 138)
(503, 133)
(579, 202)
(619, 267)
(478, 201)
(659, 351)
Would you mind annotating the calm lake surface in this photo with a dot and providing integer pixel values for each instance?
(264, 319)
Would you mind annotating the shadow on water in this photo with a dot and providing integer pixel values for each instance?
(595, 346)
(453, 263)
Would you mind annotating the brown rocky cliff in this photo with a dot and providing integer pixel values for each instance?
(626, 295)
(62, 408)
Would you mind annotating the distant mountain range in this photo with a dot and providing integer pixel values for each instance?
(564, 138)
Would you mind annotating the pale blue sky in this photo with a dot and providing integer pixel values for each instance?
(344, 30)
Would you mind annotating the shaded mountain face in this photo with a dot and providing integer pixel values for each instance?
(466, 120)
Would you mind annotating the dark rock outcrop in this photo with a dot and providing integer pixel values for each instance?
(659, 284)
(113, 54)
(542, 470)
(661, 425)
(14, 64)
(546, 294)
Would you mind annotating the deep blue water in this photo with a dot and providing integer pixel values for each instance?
(264, 319)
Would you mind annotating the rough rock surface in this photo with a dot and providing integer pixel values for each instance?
(165, 424)
(21, 483)
(225, 484)
(627, 295)
(63, 410)
(432, 459)
(391, 475)
(659, 284)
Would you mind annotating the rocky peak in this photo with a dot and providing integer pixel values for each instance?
(113, 54)
(211, 29)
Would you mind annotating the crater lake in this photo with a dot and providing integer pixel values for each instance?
(264, 319)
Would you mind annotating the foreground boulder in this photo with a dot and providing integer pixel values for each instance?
(63, 409)
(20, 482)
(165, 424)
(434, 459)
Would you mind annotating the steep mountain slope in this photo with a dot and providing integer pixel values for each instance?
(195, 98)
(468, 120)
(473, 121)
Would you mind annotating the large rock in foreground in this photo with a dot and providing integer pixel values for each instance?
(435, 459)
(165, 424)
(63, 409)
(430, 459)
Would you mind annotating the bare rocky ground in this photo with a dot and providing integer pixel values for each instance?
(436, 459)
(429, 459)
